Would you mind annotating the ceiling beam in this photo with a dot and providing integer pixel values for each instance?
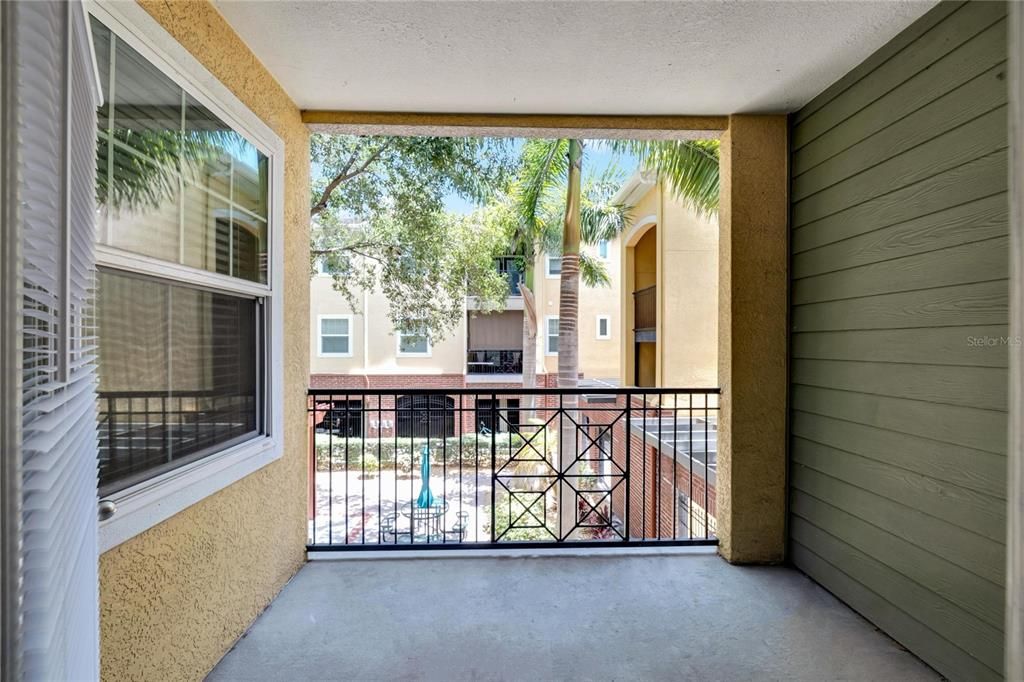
(515, 125)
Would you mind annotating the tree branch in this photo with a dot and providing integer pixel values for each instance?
(357, 246)
(345, 175)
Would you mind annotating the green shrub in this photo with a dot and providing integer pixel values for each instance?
(339, 454)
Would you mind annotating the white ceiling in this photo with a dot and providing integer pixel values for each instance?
(555, 57)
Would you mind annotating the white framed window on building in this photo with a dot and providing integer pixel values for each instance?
(413, 342)
(602, 249)
(189, 255)
(553, 266)
(335, 336)
(604, 327)
(324, 269)
(551, 335)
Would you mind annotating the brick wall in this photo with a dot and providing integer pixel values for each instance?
(380, 417)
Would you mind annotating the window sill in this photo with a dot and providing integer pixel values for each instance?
(151, 502)
(334, 355)
(414, 355)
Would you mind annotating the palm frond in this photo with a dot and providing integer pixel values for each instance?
(544, 166)
(593, 271)
(691, 167)
(149, 163)
(601, 217)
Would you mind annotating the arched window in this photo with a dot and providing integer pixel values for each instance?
(423, 416)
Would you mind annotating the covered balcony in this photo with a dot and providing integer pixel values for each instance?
(846, 503)
(495, 345)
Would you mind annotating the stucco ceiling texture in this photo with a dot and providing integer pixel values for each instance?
(564, 57)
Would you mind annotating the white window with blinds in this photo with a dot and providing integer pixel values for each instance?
(50, 619)
(551, 335)
(335, 336)
(188, 303)
(413, 342)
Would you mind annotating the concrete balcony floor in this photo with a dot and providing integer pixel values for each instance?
(611, 617)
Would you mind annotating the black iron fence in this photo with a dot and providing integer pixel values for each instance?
(437, 468)
(494, 361)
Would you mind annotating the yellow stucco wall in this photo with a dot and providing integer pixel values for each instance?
(175, 598)
(752, 339)
(679, 254)
(688, 334)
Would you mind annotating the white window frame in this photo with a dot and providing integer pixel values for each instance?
(606, 245)
(405, 354)
(321, 268)
(320, 336)
(547, 267)
(145, 504)
(608, 320)
(547, 334)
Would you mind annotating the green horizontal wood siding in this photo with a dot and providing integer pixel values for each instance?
(899, 327)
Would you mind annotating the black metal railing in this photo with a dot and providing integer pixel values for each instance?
(494, 361)
(440, 468)
(141, 432)
(645, 309)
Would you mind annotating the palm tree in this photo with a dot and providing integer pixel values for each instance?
(536, 210)
(691, 169)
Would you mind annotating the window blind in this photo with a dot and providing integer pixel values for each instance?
(51, 157)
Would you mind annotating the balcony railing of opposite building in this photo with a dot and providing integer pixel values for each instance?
(494, 361)
(645, 309)
(510, 266)
(476, 468)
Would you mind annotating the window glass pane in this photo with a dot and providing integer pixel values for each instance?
(233, 158)
(147, 106)
(413, 343)
(178, 375)
(248, 247)
(334, 326)
(602, 326)
(554, 265)
(602, 248)
(552, 334)
(334, 344)
(207, 236)
(250, 178)
(143, 205)
(208, 138)
(101, 48)
(160, 143)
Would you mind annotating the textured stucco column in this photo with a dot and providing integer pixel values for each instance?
(752, 321)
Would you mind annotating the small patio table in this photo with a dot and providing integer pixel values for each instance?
(430, 517)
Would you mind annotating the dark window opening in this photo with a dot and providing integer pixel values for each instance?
(342, 418)
(425, 416)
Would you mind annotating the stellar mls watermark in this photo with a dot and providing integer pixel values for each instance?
(992, 341)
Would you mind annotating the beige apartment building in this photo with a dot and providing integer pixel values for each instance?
(669, 291)
(663, 292)
(351, 348)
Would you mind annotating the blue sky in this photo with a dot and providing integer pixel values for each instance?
(596, 158)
